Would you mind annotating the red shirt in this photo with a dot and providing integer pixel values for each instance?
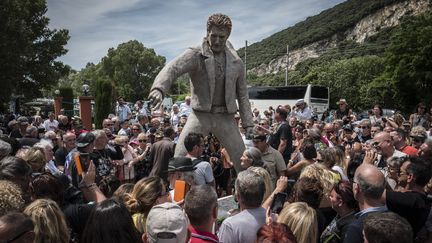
(410, 151)
(201, 236)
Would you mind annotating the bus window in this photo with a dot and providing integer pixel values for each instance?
(277, 93)
(319, 92)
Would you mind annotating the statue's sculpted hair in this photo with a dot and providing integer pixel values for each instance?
(219, 20)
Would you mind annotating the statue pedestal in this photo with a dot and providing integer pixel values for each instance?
(86, 111)
(57, 105)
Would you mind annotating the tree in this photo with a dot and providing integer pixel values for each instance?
(408, 67)
(67, 103)
(348, 79)
(28, 49)
(103, 98)
(132, 67)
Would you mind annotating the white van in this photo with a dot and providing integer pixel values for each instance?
(317, 97)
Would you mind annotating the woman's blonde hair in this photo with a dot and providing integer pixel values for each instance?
(10, 197)
(267, 181)
(121, 140)
(322, 174)
(49, 221)
(332, 156)
(302, 221)
(144, 195)
(35, 157)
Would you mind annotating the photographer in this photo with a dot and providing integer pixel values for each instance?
(194, 144)
(221, 164)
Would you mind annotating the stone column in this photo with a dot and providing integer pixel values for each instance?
(86, 111)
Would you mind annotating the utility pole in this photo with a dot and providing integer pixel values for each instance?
(245, 63)
(287, 63)
(178, 86)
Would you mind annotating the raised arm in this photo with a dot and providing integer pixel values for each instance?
(184, 63)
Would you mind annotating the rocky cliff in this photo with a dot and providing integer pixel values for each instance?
(388, 16)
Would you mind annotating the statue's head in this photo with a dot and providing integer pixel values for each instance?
(218, 30)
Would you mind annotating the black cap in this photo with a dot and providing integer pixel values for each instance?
(260, 137)
(84, 139)
(180, 164)
(421, 137)
(347, 127)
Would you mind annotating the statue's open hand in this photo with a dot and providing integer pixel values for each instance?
(155, 98)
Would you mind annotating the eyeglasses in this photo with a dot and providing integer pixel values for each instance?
(402, 173)
(17, 237)
(392, 169)
(262, 124)
(136, 129)
(142, 140)
(376, 144)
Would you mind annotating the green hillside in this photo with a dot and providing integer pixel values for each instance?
(391, 68)
(324, 25)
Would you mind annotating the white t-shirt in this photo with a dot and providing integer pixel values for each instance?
(122, 112)
(129, 173)
(185, 109)
(50, 125)
(303, 115)
(203, 173)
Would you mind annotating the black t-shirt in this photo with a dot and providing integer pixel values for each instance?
(76, 216)
(341, 114)
(283, 132)
(15, 134)
(103, 159)
(60, 156)
(64, 127)
(26, 141)
(413, 206)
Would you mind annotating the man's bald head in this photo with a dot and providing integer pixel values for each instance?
(107, 123)
(370, 181)
(383, 144)
(381, 136)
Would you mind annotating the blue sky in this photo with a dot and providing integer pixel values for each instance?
(168, 26)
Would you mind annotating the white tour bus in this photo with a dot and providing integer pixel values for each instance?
(317, 97)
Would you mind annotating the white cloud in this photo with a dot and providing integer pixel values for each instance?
(168, 26)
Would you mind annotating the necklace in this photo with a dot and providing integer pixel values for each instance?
(220, 66)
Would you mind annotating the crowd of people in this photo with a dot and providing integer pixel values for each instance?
(336, 178)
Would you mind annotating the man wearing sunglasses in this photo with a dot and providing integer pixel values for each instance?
(383, 145)
(364, 131)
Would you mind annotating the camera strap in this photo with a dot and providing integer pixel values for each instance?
(196, 161)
